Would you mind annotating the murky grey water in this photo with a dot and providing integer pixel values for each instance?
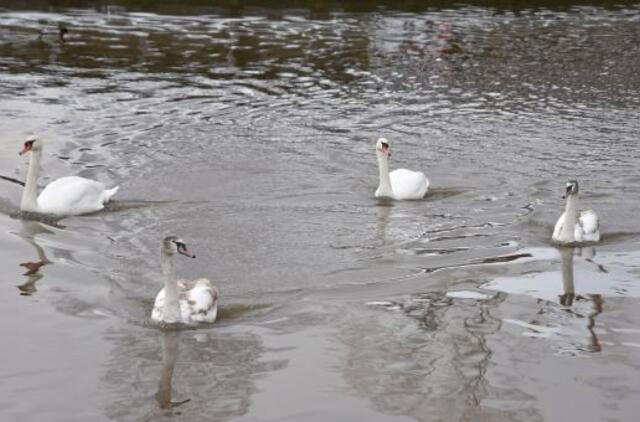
(249, 132)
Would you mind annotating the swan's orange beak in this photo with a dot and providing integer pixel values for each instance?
(26, 148)
(386, 150)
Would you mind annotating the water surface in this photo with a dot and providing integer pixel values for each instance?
(249, 132)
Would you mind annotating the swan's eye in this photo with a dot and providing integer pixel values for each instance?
(28, 144)
(572, 187)
(385, 145)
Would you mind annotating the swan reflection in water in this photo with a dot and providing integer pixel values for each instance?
(568, 296)
(169, 354)
(28, 231)
(383, 211)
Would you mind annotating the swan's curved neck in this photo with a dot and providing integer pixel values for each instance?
(30, 194)
(384, 188)
(171, 300)
(570, 218)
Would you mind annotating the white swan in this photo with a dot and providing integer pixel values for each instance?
(71, 195)
(183, 301)
(574, 226)
(401, 183)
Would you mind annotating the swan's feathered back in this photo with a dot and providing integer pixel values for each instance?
(74, 195)
(198, 302)
(587, 228)
(407, 184)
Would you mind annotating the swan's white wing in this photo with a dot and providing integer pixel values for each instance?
(587, 229)
(407, 184)
(158, 307)
(200, 302)
(558, 228)
(73, 195)
(157, 314)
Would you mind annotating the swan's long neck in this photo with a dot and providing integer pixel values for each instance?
(30, 194)
(570, 218)
(171, 299)
(384, 188)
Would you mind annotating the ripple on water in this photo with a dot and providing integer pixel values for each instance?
(249, 132)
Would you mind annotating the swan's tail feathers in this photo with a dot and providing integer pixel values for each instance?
(109, 193)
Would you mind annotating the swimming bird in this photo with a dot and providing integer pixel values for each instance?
(70, 195)
(400, 184)
(61, 31)
(575, 226)
(183, 301)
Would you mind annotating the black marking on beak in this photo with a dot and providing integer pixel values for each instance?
(183, 249)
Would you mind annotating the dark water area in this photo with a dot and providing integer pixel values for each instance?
(248, 129)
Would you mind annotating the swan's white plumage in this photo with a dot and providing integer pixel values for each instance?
(198, 302)
(400, 184)
(574, 226)
(65, 196)
(586, 229)
(407, 184)
(74, 195)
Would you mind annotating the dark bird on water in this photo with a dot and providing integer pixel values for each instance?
(62, 31)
